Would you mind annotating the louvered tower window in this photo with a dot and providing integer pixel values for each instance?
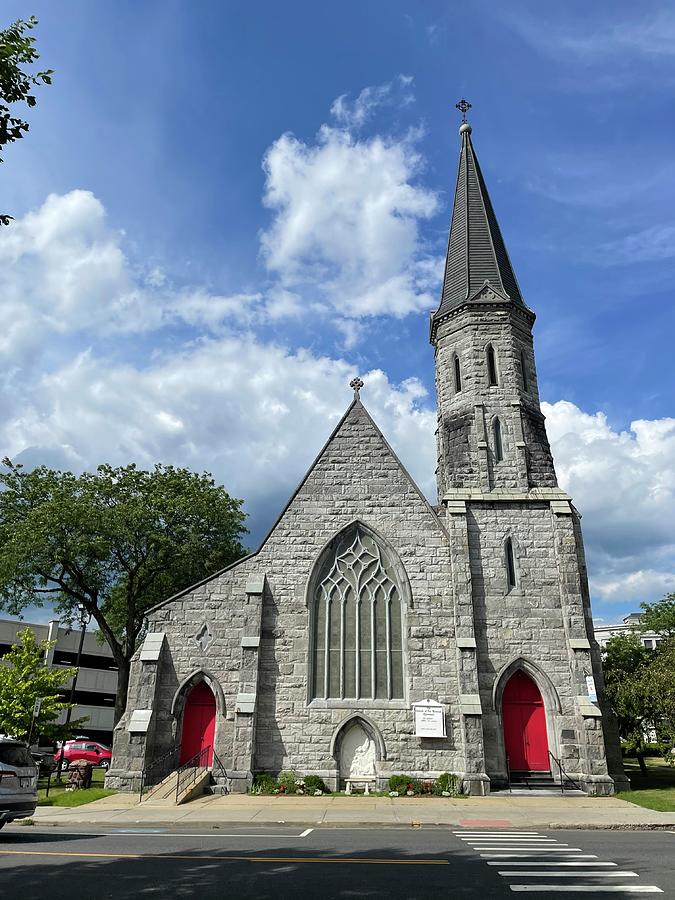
(458, 375)
(510, 563)
(491, 365)
(523, 369)
(497, 435)
(357, 633)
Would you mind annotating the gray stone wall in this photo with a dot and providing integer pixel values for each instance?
(356, 478)
(466, 417)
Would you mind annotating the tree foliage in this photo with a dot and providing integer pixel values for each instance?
(24, 678)
(17, 50)
(115, 541)
(659, 616)
(640, 682)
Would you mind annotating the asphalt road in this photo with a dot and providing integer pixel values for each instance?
(296, 863)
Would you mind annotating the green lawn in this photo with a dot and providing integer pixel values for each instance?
(656, 790)
(59, 796)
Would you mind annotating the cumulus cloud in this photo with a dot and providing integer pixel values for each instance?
(64, 270)
(624, 485)
(253, 413)
(347, 222)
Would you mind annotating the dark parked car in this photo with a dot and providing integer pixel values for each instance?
(44, 759)
(18, 781)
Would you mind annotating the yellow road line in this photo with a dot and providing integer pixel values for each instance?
(253, 859)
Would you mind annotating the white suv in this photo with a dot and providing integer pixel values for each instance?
(18, 781)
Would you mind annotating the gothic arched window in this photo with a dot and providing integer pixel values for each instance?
(458, 375)
(523, 369)
(357, 634)
(491, 365)
(510, 563)
(497, 434)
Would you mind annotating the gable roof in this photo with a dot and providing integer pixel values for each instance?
(355, 408)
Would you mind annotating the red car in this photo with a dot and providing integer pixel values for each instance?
(94, 753)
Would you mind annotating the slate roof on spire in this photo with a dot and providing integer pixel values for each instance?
(476, 250)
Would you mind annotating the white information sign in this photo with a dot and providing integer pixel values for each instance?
(429, 719)
(36, 707)
(590, 687)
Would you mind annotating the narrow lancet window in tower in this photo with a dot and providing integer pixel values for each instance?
(491, 365)
(523, 369)
(497, 434)
(510, 565)
(458, 375)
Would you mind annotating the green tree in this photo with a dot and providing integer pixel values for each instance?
(659, 616)
(24, 678)
(662, 673)
(630, 689)
(115, 541)
(17, 50)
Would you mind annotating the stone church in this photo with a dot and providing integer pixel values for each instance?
(373, 634)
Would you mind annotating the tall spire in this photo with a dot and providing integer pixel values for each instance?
(476, 250)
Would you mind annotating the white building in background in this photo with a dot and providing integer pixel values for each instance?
(96, 681)
(603, 633)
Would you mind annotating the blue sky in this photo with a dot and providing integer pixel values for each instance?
(226, 210)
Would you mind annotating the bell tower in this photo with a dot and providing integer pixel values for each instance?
(523, 624)
(491, 434)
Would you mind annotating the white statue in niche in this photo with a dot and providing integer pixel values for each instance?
(357, 753)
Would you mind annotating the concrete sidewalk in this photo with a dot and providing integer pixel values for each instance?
(503, 810)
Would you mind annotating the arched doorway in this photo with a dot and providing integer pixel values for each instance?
(199, 723)
(524, 719)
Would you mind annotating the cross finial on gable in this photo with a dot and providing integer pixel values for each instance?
(356, 384)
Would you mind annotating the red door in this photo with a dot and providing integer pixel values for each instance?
(199, 723)
(524, 718)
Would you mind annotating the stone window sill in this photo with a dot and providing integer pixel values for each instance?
(336, 703)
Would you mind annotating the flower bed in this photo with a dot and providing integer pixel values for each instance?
(289, 784)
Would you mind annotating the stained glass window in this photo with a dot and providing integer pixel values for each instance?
(357, 640)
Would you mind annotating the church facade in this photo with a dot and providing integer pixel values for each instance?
(373, 634)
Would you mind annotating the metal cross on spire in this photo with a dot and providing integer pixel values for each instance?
(463, 106)
(356, 384)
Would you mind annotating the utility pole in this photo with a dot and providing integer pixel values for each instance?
(84, 621)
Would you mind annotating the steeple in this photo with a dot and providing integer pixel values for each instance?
(491, 434)
(476, 250)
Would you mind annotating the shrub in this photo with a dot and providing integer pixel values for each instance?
(314, 783)
(403, 784)
(448, 783)
(263, 783)
(287, 783)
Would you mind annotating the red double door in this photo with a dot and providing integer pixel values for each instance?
(199, 723)
(524, 717)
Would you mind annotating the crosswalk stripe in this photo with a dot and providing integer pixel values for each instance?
(550, 863)
(535, 851)
(532, 856)
(589, 888)
(526, 874)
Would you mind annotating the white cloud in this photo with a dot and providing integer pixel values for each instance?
(649, 245)
(347, 222)
(63, 270)
(624, 485)
(252, 413)
(354, 114)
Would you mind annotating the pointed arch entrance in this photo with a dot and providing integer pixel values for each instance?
(199, 723)
(524, 719)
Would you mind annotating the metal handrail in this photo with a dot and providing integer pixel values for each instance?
(563, 774)
(156, 763)
(217, 767)
(187, 773)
